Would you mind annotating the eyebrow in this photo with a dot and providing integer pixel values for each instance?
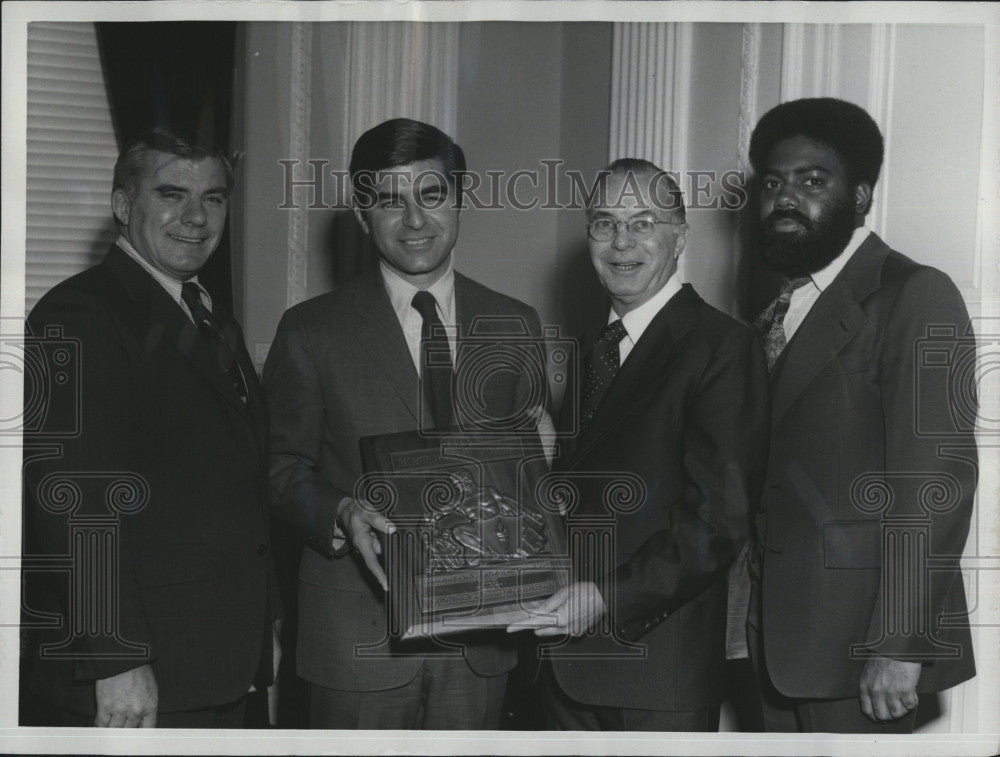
(164, 188)
(802, 169)
(607, 214)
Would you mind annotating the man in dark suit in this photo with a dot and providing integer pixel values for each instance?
(872, 467)
(153, 502)
(350, 364)
(674, 415)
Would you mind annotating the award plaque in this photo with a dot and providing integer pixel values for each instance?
(472, 548)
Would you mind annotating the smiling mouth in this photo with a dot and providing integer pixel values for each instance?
(186, 240)
(626, 267)
(418, 243)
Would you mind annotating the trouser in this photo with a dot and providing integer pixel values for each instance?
(444, 695)
(566, 714)
(224, 716)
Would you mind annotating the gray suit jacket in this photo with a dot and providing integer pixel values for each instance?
(338, 370)
(873, 409)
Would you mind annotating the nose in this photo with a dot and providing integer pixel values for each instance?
(787, 196)
(413, 216)
(194, 213)
(623, 237)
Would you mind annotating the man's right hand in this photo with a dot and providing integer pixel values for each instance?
(127, 700)
(360, 522)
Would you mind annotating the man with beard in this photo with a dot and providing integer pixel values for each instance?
(848, 624)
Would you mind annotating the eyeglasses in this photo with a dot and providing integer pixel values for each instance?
(604, 229)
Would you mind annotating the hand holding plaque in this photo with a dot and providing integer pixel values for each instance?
(472, 547)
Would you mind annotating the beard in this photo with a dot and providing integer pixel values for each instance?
(812, 248)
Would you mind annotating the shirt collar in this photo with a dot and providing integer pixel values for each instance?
(401, 291)
(637, 320)
(823, 278)
(171, 285)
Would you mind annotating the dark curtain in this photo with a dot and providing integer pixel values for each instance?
(179, 74)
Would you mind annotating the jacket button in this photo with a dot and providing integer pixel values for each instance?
(261, 549)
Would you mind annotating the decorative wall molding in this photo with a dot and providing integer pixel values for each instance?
(300, 116)
(881, 77)
(651, 92)
(398, 69)
(793, 38)
(749, 88)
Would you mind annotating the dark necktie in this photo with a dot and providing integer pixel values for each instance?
(436, 371)
(210, 329)
(600, 368)
(770, 323)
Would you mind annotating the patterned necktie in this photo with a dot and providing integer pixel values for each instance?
(436, 371)
(770, 323)
(210, 329)
(601, 366)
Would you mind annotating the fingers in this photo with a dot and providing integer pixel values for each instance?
(361, 524)
(368, 554)
(544, 614)
(148, 720)
(866, 704)
(375, 520)
(888, 688)
(898, 707)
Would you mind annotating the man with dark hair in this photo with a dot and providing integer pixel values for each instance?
(165, 617)
(847, 623)
(353, 363)
(673, 411)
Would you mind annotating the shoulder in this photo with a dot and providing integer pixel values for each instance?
(325, 309)
(913, 285)
(490, 301)
(82, 296)
(710, 322)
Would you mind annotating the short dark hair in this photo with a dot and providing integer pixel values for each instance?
(400, 141)
(844, 126)
(639, 166)
(172, 140)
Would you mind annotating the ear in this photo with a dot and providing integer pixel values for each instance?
(862, 198)
(120, 205)
(361, 218)
(681, 240)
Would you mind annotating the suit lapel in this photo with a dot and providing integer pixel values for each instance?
(380, 335)
(643, 370)
(832, 322)
(167, 323)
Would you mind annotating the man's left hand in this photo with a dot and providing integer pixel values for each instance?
(572, 610)
(888, 688)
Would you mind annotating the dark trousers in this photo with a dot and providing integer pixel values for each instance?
(566, 714)
(225, 716)
(444, 695)
(787, 715)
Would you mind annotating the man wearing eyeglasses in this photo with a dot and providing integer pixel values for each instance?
(673, 407)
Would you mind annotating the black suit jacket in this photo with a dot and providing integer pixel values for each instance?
(683, 429)
(338, 370)
(170, 465)
(871, 445)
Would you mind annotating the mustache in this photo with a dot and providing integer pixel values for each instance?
(790, 214)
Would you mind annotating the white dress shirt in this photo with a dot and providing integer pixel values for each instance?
(170, 285)
(401, 294)
(637, 321)
(806, 295)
